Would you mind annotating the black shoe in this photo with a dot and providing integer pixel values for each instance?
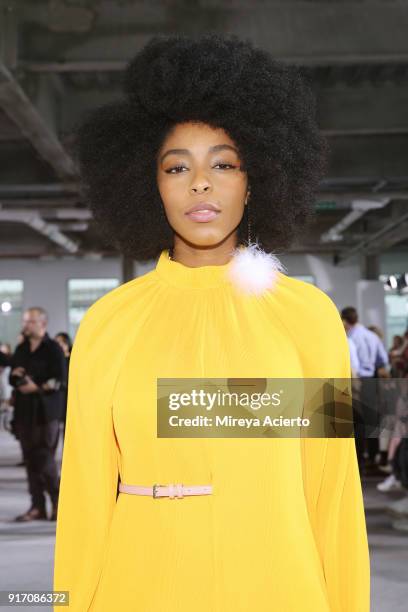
(33, 514)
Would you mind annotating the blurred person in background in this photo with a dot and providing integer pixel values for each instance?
(354, 368)
(38, 371)
(377, 331)
(5, 388)
(394, 353)
(372, 358)
(5, 348)
(382, 362)
(7, 393)
(354, 360)
(382, 371)
(398, 354)
(65, 342)
(398, 479)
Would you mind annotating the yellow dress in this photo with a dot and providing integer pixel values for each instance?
(284, 529)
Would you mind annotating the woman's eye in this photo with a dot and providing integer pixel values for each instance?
(170, 170)
(178, 169)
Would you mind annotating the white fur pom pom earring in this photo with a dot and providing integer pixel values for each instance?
(252, 270)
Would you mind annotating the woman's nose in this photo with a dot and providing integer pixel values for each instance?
(200, 188)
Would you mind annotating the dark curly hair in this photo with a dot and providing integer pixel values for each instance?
(266, 107)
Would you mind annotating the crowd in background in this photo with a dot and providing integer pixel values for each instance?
(380, 409)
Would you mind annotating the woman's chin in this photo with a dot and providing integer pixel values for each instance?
(205, 238)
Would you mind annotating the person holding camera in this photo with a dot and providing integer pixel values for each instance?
(38, 374)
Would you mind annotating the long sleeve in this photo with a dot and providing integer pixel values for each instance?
(382, 355)
(56, 365)
(89, 472)
(331, 477)
(15, 361)
(341, 530)
(354, 360)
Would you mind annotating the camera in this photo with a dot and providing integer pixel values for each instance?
(20, 380)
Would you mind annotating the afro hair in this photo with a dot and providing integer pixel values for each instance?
(266, 107)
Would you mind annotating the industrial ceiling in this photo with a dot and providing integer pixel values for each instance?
(59, 59)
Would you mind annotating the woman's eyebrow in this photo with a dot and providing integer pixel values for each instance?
(213, 149)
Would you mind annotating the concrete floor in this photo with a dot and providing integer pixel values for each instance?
(27, 550)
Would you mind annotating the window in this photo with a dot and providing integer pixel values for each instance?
(82, 293)
(11, 306)
(396, 306)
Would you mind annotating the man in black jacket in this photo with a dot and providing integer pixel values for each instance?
(38, 373)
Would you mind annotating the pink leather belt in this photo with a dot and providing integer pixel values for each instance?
(170, 490)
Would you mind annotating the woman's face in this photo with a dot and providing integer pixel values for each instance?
(200, 165)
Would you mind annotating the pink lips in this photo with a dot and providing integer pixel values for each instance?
(203, 212)
(203, 215)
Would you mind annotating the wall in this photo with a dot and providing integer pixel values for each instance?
(45, 281)
(339, 282)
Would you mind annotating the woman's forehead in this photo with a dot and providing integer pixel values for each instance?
(193, 132)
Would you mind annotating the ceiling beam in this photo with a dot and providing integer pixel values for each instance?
(358, 209)
(23, 113)
(103, 65)
(45, 204)
(374, 243)
(59, 213)
(33, 220)
(77, 66)
(39, 190)
(388, 131)
(349, 194)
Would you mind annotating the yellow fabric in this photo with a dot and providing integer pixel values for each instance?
(284, 528)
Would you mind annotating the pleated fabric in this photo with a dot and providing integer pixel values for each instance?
(284, 528)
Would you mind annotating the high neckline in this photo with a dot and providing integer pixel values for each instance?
(201, 277)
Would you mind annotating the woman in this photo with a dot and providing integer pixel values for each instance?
(278, 524)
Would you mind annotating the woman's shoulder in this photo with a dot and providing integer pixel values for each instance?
(123, 292)
(305, 297)
(309, 312)
(314, 321)
(115, 305)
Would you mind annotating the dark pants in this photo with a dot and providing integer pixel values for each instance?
(38, 443)
(366, 420)
(57, 439)
(400, 462)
